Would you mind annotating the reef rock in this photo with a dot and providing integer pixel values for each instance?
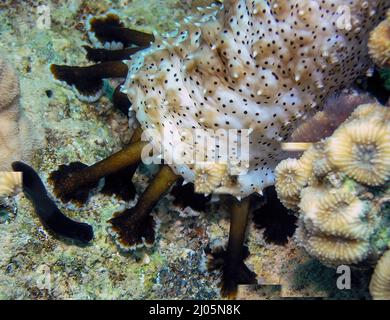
(253, 66)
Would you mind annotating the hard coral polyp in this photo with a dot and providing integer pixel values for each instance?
(379, 43)
(340, 207)
(380, 282)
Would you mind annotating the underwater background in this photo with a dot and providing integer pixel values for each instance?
(36, 264)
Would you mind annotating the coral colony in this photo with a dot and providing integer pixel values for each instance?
(214, 102)
(15, 135)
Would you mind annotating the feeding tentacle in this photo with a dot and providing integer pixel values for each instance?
(88, 81)
(135, 226)
(231, 261)
(109, 29)
(104, 55)
(73, 182)
(120, 183)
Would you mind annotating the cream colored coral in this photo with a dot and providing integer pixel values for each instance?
(372, 111)
(10, 183)
(379, 43)
(16, 137)
(308, 158)
(9, 86)
(380, 281)
(361, 149)
(209, 176)
(336, 212)
(290, 179)
(336, 251)
(339, 217)
(9, 115)
(321, 167)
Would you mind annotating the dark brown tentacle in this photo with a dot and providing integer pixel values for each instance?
(104, 70)
(185, 196)
(104, 55)
(136, 226)
(238, 222)
(120, 100)
(279, 223)
(120, 183)
(110, 28)
(231, 261)
(67, 181)
(88, 80)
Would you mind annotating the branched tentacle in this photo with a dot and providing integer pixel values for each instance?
(231, 262)
(135, 227)
(105, 55)
(68, 180)
(88, 80)
(120, 183)
(111, 29)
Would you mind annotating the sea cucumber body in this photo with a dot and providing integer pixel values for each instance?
(254, 65)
